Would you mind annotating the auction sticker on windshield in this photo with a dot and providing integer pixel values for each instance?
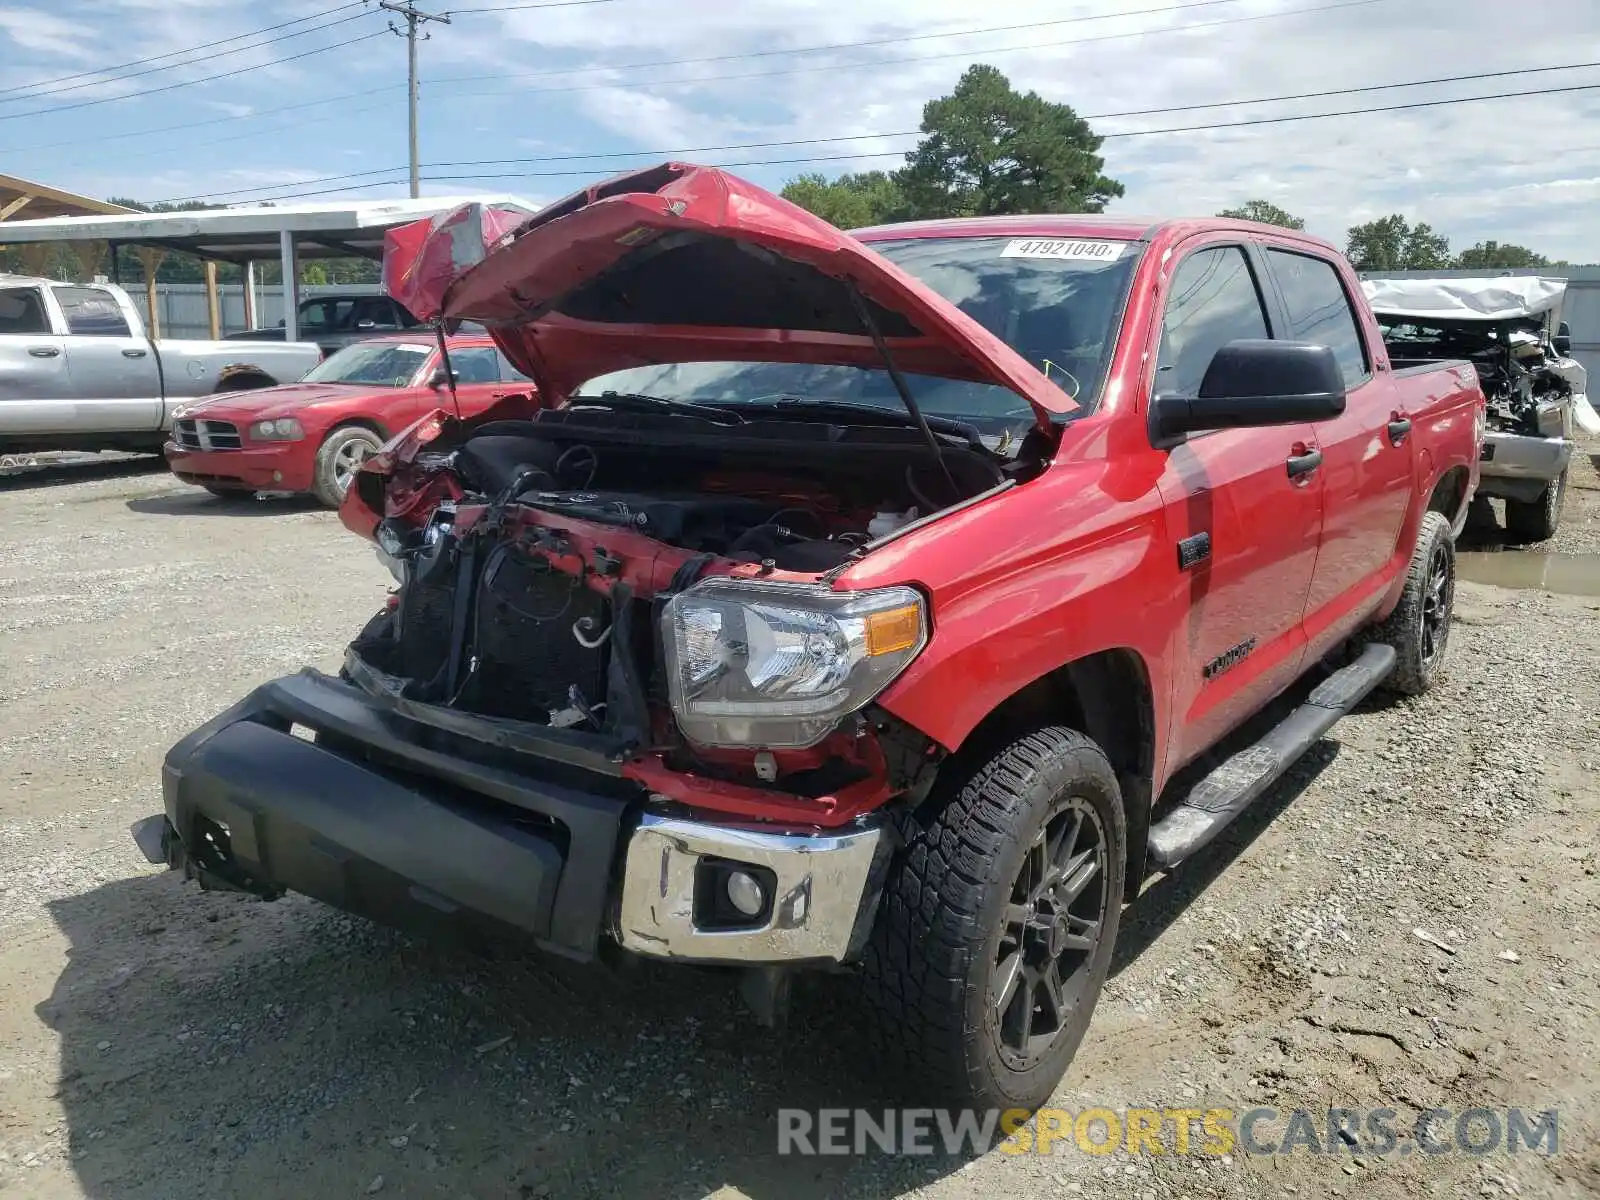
(1063, 248)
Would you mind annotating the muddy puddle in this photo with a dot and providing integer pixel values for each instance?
(1569, 574)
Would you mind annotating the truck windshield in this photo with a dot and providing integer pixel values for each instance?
(1055, 301)
(372, 364)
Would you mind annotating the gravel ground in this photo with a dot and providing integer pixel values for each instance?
(160, 1043)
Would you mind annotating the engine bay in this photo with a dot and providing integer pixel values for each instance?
(535, 558)
(1524, 380)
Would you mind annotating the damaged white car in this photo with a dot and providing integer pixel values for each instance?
(1509, 329)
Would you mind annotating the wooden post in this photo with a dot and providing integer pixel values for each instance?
(90, 255)
(150, 258)
(213, 310)
(35, 257)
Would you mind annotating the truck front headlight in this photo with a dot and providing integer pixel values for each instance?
(776, 664)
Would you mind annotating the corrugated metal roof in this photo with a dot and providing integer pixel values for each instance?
(334, 230)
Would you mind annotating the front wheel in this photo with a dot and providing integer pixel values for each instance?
(998, 920)
(1537, 520)
(338, 460)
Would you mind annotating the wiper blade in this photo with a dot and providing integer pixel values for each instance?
(843, 408)
(642, 402)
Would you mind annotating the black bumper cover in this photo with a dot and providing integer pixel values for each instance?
(393, 819)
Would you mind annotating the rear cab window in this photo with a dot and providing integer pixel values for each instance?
(1319, 309)
(92, 312)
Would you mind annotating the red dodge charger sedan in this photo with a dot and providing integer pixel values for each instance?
(312, 436)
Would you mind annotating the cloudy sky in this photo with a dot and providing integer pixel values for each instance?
(574, 92)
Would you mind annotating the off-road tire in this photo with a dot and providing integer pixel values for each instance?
(1537, 520)
(1419, 655)
(931, 956)
(223, 492)
(333, 457)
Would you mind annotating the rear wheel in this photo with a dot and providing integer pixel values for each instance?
(1537, 520)
(998, 920)
(338, 460)
(1419, 627)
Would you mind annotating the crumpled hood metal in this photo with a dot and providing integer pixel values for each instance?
(524, 279)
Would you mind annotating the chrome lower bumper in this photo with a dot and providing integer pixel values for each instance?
(1512, 463)
(823, 891)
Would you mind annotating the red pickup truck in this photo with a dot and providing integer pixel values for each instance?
(854, 603)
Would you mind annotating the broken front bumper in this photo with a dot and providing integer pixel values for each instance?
(312, 785)
(1518, 466)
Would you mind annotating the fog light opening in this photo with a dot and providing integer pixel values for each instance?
(731, 895)
(745, 893)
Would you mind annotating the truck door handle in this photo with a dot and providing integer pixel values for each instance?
(1304, 464)
(45, 351)
(133, 352)
(1399, 429)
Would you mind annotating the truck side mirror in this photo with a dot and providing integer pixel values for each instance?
(439, 379)
(1562, 342)
(1255, 382)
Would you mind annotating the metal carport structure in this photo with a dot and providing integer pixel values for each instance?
(246, 236)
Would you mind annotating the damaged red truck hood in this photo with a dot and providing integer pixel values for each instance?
(679, 263)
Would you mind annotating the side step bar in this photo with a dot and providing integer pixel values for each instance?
(1230, 789)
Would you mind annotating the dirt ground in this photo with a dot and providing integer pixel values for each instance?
(159, 1043)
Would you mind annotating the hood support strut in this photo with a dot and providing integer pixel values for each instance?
(904, 388)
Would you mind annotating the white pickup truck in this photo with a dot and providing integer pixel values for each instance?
(1509, 328)
(79, 372)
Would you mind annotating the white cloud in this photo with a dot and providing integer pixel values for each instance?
(40, 33)
(1451, 166)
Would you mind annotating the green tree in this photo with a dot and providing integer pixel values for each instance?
(1394, 244)
(1264, 211)
(850, 201)
(1499, 256)
(988, 149)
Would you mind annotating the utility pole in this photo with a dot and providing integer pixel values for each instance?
(414, 16)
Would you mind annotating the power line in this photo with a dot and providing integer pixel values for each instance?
(900, 153)
(1108, 116)
(915, 37)
(905, 61)
(159, 151)
(109, 79)
(250, 116)
(859, 137)
(493, 8)
(959, 33)
(1357, 112)
(38, 112)
(139, 62)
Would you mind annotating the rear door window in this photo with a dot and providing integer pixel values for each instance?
(1319, 310)
(476, 364)
(92, 311)
(377, 310)
(325, 316)
(1212, 300)
(509, 372)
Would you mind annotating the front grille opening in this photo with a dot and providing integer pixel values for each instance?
(528, 657)
(206, 435)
